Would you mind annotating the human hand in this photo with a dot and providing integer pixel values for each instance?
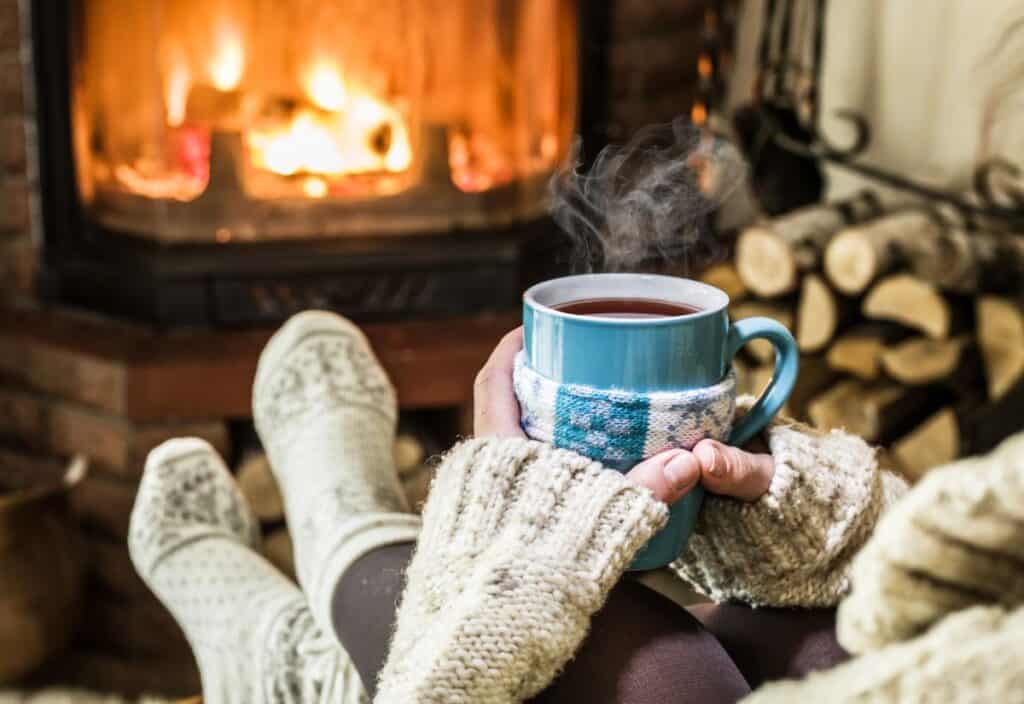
(722, 469)
(670, 475)
(495, 407)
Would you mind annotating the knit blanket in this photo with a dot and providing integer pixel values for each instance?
(614, 426)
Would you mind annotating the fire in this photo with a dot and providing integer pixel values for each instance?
(325, 87)
(228, 62)
(176, 88)
(347, 132)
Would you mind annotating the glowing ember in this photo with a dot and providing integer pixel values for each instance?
(228, 64)
(314, 187)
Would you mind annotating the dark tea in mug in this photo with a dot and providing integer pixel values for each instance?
(626, 308)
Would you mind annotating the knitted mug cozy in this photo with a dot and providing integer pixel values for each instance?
(615, 426)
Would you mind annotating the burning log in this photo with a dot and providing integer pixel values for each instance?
(769, 258)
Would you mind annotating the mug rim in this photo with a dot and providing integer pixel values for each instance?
(530, 299)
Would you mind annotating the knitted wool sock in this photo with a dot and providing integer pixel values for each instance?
(325, 412)
(521, 543)
(250, 629)
(616, 426)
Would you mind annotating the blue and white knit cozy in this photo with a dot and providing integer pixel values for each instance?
(614, 426)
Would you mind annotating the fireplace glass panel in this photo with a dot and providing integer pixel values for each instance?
(233, 120)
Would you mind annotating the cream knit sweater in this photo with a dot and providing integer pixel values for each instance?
(522, 542)
(937, 606)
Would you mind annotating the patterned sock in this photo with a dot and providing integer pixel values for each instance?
(250, 629)
(326, 413)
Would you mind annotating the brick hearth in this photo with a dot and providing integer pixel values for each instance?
(72, 383)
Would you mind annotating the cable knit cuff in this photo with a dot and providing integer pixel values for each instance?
(791, 547)
(520, 545)
(553, 501)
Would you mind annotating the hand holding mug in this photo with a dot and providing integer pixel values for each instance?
(670, 475)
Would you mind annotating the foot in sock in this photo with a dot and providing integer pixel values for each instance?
(191, 539)
(325, 412)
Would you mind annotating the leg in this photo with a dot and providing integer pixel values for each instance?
(771, 644)
(252, 634)
(641, 647)
(364, 607)
(644, 648)
(325, 412)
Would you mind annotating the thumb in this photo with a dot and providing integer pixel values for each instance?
(670, 475)
(731, 471)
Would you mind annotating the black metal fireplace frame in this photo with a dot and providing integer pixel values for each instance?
(452, 273)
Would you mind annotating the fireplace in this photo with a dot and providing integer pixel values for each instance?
(227, 162)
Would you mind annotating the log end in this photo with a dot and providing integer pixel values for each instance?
(766, 263)
(851, 262)
(907, 300)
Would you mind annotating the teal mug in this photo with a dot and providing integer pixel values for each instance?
(648, 354)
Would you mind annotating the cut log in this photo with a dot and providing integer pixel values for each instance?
(994, 263)
(725, 277)
(859, 350)
(762, 350)
(1001, 340)
(921, 360)
(818, 315)
(409, 453)
(815, 376)
(278, 549)
(770, 257)
(751, 379)
(259, 487)
(985, 423)
(908, 300)
(877, 413)
(858, 255)
(933, 443)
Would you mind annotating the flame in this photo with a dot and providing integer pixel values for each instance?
(325, 87)
(353, 133)
(228, 62)
(179, 82)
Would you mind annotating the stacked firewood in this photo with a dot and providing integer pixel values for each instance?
(910, 324)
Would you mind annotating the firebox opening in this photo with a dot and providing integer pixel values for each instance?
(224, 120)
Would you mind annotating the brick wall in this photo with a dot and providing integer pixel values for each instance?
(17, 253)
(652, 61)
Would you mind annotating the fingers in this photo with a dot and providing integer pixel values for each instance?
(670, 475)
(733, 472)
(495, 408)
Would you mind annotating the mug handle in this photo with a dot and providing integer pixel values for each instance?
(787, 362)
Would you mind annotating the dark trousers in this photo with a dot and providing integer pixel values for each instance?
(642, 648)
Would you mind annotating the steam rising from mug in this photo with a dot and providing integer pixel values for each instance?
(647, 202)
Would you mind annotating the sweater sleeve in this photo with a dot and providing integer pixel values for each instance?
(520, 545)
(794, 545)
(970, 656)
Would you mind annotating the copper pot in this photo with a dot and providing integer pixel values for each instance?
(40, 573)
